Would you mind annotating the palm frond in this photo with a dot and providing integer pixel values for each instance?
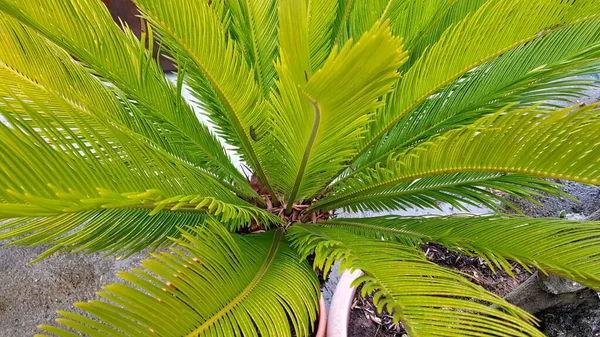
(430, 300)
(213, 284)
(414, 19)
(216, 69)
(364, 15)
(294, 43)
(542, 70)
(558, 144)
(122, 231)
(254, 24)
(55, 73)
(435, 24)
(480, 37)
(334, 107)
(457, 190)
(340, 32)
(86, 30)
(321, 25)
(409, 19)
(60, 158)
(567, 248)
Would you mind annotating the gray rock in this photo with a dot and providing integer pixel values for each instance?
(559, 285)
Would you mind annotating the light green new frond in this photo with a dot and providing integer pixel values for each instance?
(542, 70)
(294, 43)
(292, 129)
(557, 144)
(494, 29)
(86, 30)
(337, 101)
(213, 284)
(564, 247)
(254, 23)
(457, 190)
(218, 73)
(430, 300)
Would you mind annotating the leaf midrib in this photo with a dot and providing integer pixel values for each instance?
(392, 182)
(249, 288)
(306, 156)
(407, 192)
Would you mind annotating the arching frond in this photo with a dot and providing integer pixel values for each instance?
(254, 24)
(435, 24)
(60, 158)
(216, 284)
(409, 19)
(430, 300)
(457, 190)
(564, 247)
(122, 231)
(54, 73)
(334, 107)
(294, 41)
(86, 30)
(557, 144)
(306, 35)
(321, 25)
(478, 38)
(542, 70)
(217, 70)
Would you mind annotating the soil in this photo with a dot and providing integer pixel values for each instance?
(580, 320)
(573, 320)
(366, 322)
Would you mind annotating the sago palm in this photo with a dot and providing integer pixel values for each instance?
(332, 104)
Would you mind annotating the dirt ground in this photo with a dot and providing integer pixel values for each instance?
(30, 295)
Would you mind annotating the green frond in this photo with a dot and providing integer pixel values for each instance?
(457, 190)
(567, 248)
(122, 223)
(217, 70)
(121, 231)
(333, 110)
(414, 19)
(430, 300)
(542, 70)
(254, 23)
(365, 14)
(558, 144)
(294, 43)
(435, 24)
(321, 25)
(340, 31)
(409, 19)
(59, 159)
(213, 284)
(86, 30)
(480, 37)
